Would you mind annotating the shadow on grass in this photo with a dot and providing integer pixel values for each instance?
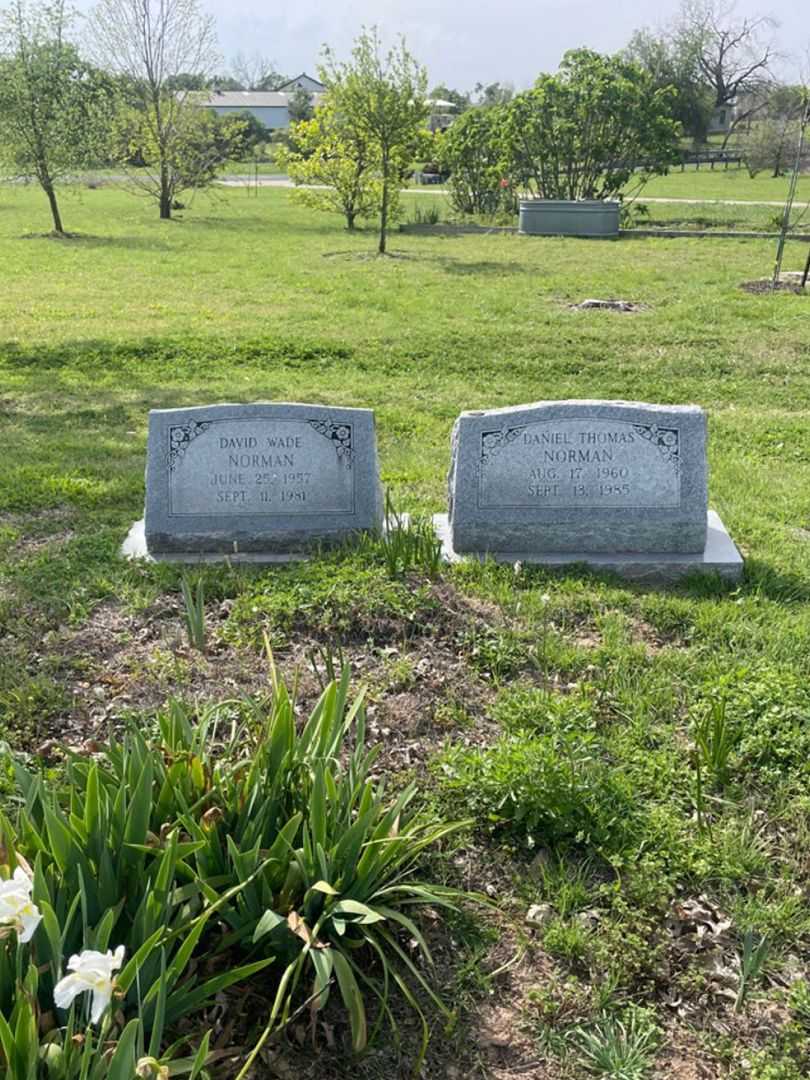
(175, 356)
(449, 265)
(87, 240)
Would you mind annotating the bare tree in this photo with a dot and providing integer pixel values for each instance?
(255, 71)
(151, 43)
(734, 55)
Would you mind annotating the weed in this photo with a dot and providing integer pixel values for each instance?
(543, 790)
(753, 959)
(715, 739)
(409, 544)
(618, 1048)
(194, 612)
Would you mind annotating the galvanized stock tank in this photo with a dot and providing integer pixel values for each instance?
(563, 217)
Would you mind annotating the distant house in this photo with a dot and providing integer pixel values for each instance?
(722, 119)
(302, 82)
(271, 107)
(442, 114)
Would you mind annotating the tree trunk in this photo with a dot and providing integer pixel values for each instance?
(350, 216)
(57, 217)
(383, 216)
(165, 195)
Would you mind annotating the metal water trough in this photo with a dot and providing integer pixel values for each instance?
(561, 217)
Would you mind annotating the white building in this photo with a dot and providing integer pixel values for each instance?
(271, 107)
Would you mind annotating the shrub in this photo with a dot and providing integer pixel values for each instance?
(580, 134)
(472, 154)
(546, 790)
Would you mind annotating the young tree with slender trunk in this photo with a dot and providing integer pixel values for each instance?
(335, 164)
(383, 96)
(150, 43)
(54, 108)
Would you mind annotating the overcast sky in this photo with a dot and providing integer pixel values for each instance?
(463, 42)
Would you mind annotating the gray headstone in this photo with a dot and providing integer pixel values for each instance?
(261, 478)
(580, 477)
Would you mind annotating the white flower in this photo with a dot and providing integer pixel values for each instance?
(91, 971)
(16, 906)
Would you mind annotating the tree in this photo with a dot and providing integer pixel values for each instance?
(471, 154)
(253, 71)
(383, 98)
(580, 134)
(152, 43)
(493, 93)
(54, 108)
(342, 159)
(769, 142)
(734, 55)
(457, 98)
(299, 106)
(201, 143)
(673, 62)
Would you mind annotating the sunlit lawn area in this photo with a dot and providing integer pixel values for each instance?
(481, 682)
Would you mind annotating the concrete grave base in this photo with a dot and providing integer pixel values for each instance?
(719, 556)
(134, 547)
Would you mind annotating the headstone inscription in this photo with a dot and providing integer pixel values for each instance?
(620, 485)
(264, 480)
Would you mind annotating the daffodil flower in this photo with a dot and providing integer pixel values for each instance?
(16, 906)
(93, 971)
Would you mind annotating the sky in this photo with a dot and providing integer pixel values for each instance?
(462, 43)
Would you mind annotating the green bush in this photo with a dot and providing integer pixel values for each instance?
(545, 790)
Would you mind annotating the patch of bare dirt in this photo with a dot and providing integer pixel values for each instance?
(682, 1057)
(790, 282)
(420, 692)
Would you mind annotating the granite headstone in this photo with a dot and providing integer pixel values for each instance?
(618, 484)
(259, 480)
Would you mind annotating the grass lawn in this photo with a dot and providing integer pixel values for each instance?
(719, 183)
(564, 714)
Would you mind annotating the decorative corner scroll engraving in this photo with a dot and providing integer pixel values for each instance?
(492, 442)
(340, 435)
(181, 436)
(665, 440)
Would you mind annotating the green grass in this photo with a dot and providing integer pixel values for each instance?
(719, 183)
(596, 686)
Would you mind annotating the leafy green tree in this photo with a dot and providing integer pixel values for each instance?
(299, 106)
(581, 134)
(471, 154)
(495, 93)
(54, 107)
(201, 144)
(160, 48)
(674, 62)
(460, 100)
(342, 159)
(384, 98)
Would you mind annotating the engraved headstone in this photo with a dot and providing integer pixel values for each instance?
(258, 480)
(620, 485)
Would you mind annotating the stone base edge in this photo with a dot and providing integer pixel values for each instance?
(134, 547)
(720, 556)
